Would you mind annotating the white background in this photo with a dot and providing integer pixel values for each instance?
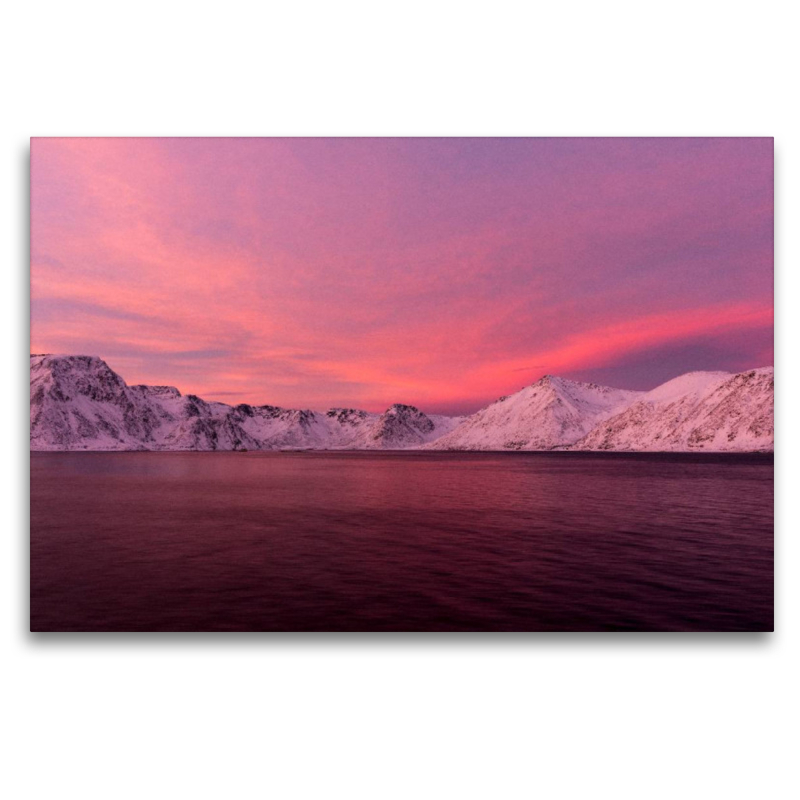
(608, 716)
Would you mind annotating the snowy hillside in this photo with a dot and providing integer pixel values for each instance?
(552, 412)
(713, 411)
(79, 403)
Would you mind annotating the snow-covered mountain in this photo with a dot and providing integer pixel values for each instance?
(698, 411)
(80, 403)
(553, 412)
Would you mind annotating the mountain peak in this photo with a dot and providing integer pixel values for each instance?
(552, 412)
(402, 424)
(402, 408)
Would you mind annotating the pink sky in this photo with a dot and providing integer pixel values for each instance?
(438, 272)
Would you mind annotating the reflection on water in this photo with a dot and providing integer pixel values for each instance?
(400, 541)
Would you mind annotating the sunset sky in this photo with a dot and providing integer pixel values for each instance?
(438, 272)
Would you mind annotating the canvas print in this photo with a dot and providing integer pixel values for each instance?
(354, 384)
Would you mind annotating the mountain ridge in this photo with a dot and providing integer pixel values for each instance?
(80, 403)
(697, 411)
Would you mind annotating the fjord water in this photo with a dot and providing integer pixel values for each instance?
(414, 541)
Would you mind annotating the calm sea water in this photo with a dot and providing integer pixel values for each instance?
(400, 541)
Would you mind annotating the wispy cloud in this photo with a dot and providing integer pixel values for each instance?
(364, 272)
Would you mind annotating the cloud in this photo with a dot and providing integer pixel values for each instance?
(363, 272)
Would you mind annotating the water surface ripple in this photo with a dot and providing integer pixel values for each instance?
(401, 541)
